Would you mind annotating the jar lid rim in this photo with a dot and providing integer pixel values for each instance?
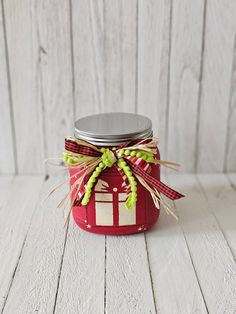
(113, 128)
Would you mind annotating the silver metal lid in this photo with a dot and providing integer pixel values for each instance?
(112, 129)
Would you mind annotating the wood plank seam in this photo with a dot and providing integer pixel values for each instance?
(150, 273)
(213, 261)
(42, 103)
(9, 90)
(200, 85)
(230, 111)
(20, 255)
(191, 258)
(185, 71)
(100, 104)
(217, 220)
(72, 59)
(60, 269)
(195, 272)
(14, 273)
(168, 82)
(53, 255)
(136, 61)
(105, 272)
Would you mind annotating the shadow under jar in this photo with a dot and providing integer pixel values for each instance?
(106, 212)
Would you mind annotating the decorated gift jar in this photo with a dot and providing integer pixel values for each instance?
(114, 167)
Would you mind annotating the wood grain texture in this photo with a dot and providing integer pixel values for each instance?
(41, 78)
(221, 197)
(6, 183)
(216, 82)
(154, 23)
(82, 281)
(7, 162)
(35, 282)
(172, 271)
(24, 51)
(211, 256)
(120, 55)
(15, 218)
(128, 282)
(230, 150)
(173, 61)
(52, 21)
(178, 267)
(104, 49)
(88, 56)
(185, 74)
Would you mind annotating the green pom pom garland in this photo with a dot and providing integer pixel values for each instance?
(71, 158)
(137, 153)
(108, 159)
(131, 200)
(91, 182)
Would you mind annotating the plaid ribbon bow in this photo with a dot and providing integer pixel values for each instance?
(138, 166)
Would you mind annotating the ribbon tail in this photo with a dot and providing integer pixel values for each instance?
(160, 186)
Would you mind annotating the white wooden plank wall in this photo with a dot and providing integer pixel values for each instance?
(172, 60)
(217, 87)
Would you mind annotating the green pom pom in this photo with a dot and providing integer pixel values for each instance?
(126, 168)
(130, 202)
(103, 149)
(133, 188)
(133, 153)
(150, 159)
(121, 151)
(90, 184)
(139, 154)
(127, 152)
(85, 200)
(98, 169)
(108, 157)
(70, 161)
(129, 174)
(101, 165)
(132, 180)
(134, 197)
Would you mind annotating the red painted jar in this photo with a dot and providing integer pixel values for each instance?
(106, 212)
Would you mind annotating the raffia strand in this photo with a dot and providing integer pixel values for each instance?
(156, 196)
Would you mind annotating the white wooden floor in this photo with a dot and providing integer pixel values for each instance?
(187, 266)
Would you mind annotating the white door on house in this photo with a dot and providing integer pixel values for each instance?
(126, 216)
(103, 204)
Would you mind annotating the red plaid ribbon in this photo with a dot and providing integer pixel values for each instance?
(161, 187)
(80, 149)
(138, 166)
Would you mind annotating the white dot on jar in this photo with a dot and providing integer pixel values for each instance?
(115, 189)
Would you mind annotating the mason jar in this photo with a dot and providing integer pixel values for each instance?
(105, 212)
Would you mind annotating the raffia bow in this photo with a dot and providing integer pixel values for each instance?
(132, 160)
